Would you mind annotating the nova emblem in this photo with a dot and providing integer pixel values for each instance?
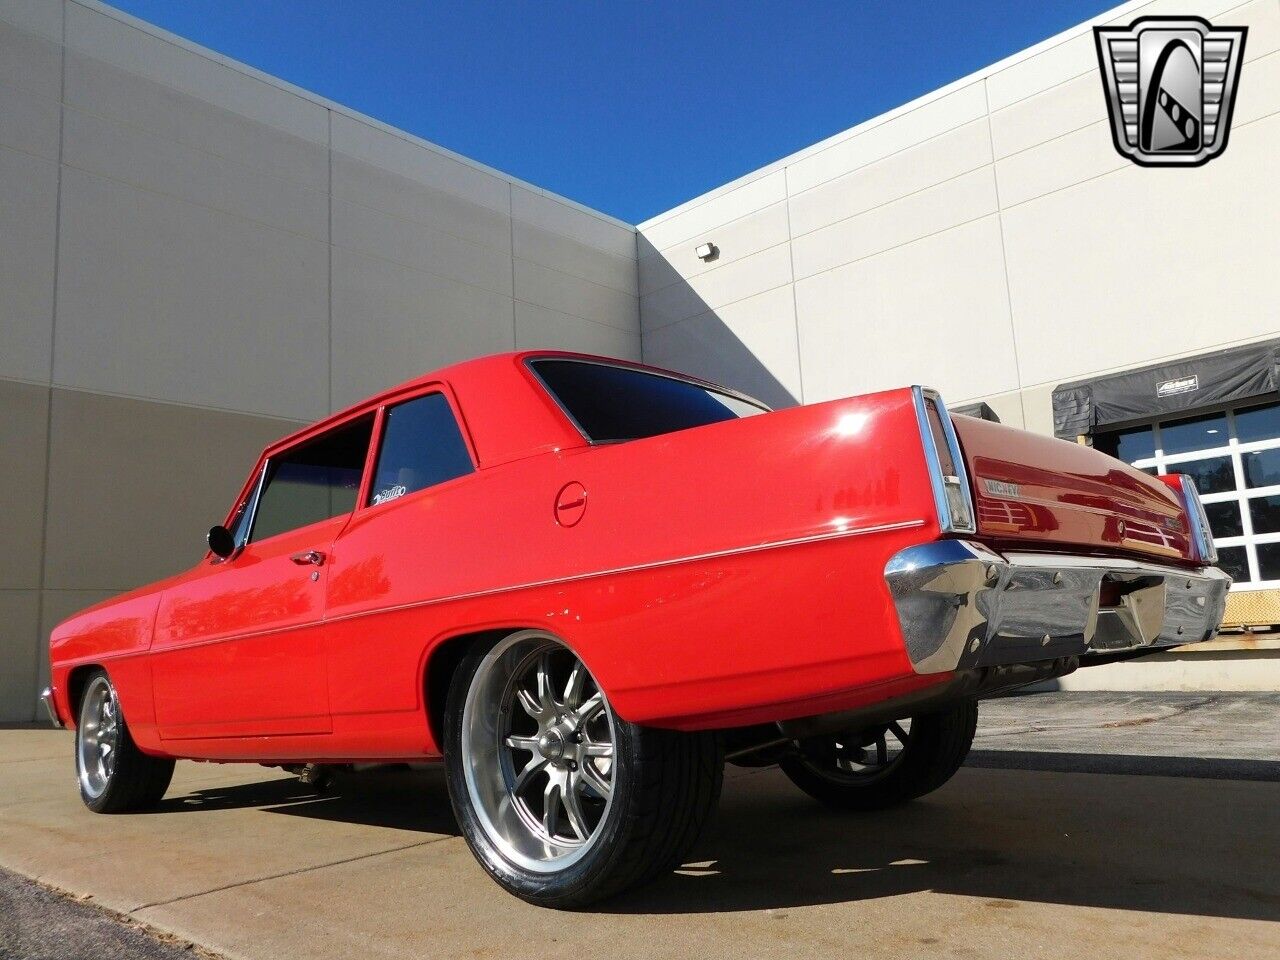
(999, 488)
(1170, 84)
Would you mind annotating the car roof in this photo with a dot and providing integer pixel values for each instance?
(508, 413)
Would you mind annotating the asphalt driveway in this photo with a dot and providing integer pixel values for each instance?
(1009, 859)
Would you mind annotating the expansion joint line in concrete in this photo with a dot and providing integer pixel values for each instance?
(285, 873)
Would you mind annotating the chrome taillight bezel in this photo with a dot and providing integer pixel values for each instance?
(952, 496)
(1197, 520)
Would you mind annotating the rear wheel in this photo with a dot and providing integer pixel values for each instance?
(114, 775)
(561, 800)
(886, 764)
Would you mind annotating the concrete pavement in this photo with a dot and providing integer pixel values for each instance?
(999, 863)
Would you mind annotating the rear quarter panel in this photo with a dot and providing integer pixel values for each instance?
(718, 575)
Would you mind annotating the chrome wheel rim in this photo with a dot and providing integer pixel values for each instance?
(860, 758)
(538, 744)
(98, 737)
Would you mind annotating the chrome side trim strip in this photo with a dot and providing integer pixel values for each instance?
(574, 578)
(639, 567)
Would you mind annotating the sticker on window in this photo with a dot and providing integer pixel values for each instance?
(390, 493)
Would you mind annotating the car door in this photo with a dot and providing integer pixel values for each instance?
(238, 648)
(394, 554)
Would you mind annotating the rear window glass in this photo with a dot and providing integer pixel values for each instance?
(611, 404)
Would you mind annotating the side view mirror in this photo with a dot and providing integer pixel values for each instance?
(221, 542)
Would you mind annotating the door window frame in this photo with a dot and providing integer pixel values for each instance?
(251, 492)
(379, 429)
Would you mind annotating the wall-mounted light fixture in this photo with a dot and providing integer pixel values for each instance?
(707, 252)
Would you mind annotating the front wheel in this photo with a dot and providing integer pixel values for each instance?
(887, 764)
(561, 800)
(114, 775)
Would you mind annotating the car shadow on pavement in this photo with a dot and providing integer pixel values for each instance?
(1191, 846)
(399, 798)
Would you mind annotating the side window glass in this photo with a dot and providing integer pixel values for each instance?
(421, 446)
(313, 482)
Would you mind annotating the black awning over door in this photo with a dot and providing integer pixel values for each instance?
(1223, 377)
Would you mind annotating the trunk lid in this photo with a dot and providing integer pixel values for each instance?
(1032, 491)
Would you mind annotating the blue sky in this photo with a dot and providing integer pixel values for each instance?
(630, 108)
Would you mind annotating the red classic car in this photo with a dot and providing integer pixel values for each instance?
(584, 584)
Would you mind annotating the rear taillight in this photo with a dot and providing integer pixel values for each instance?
(1201, 535)
(947, 474)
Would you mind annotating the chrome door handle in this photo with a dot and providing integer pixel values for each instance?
(308, 556)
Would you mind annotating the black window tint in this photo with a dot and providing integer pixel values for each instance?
(313, 482)
(1128, 445)
(619, 403)
(1269, 561)
(1198, 433)
(1262, 469)
(1213, 475)
(1235, 562)
(1224, 518)
(421, 446)
(1259, 423)
(1264, 512)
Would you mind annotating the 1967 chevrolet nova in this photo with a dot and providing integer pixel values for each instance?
(584, 584)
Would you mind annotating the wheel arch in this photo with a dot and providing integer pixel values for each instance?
(76, 681)
(442, 661)
(442, 658)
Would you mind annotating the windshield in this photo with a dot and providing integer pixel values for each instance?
(613, 403)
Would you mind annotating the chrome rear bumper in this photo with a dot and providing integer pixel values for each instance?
(962, 605)
(46, 697)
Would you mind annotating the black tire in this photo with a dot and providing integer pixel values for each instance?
(666, 786)
(136, 781)
(935, 749)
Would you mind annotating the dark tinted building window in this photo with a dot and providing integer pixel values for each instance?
(1235, 561)
(1127, 445)
(619, 403)
(315, 481)
(421, 446)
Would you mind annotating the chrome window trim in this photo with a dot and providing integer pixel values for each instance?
(530, 365)
(921, 397)
(251, 508)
